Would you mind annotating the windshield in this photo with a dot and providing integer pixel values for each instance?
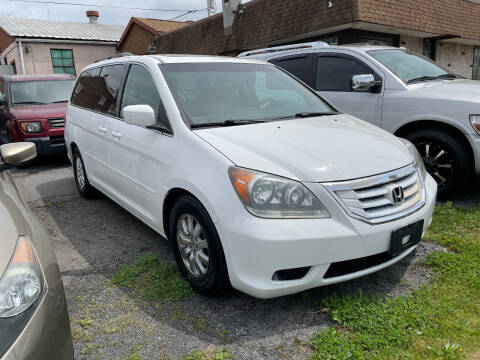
(41, 92)
(409, 67)
(210, 93)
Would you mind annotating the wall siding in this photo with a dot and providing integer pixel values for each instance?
(137, 41)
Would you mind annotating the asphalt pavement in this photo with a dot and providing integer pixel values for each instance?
(93, 238)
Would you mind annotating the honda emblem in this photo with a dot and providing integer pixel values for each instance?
(398, 195)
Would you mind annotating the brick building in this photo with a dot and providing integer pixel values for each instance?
(447, 31)
(140, 34)
(33, 46)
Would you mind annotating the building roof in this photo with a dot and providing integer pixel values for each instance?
(155, 26)
(263, 23)
(35, 28)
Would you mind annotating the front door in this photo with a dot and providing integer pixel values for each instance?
(139, 154)
(333, 81)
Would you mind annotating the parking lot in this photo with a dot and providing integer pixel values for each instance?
(93, 238)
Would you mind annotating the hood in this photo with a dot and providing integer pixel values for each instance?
(320, 149)
(12, 223)
(26, 112)
(463, 90)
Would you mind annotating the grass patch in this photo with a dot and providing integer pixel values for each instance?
(210, 354)
(438, 321)
(153, 280)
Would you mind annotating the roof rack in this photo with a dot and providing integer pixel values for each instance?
(309, 45)
(119, 55)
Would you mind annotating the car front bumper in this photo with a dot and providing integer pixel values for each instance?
(475, 143)
(257, 248)
(47, 146)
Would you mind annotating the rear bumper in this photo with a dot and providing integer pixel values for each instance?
(47, 146)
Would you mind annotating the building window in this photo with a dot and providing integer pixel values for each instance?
(476, 64)
(62, 61)
(429, 48)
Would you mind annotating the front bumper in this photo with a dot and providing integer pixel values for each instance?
(47, 146)
(475, 143)
(46, 335)
(257, 248)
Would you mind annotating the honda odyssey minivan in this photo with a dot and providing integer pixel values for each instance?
(255, 180)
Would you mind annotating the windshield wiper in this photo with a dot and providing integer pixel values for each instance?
(422, 78)
(302, 115)
(447, 76)
(226, 123)
(29, 102)
(59, 101)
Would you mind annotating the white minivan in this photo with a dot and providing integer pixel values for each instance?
(255, 180)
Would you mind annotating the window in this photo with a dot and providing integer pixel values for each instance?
(476, 64)
(297, 66)
(409, 67)
(336, 73)
(84, 90)
(40, 92)
(215, 92)
(429, 47)
(14, 66)
(107, 88)
(141, 90)
(62, 61)
(3, 95)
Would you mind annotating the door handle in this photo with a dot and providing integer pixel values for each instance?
(116, 135)
(102, 129)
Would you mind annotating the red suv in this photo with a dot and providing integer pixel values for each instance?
(32, 108)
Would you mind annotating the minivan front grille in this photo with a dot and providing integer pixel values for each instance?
(56, 123)
(381, 198)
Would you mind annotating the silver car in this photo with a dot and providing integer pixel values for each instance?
(34, 320)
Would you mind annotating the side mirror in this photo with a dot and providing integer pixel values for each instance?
(364, 82)
(18, 153)
(140, 115)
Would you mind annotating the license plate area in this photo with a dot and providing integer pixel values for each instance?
(406, 237)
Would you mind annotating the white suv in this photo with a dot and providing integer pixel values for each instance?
(253, 178)
(403, 93)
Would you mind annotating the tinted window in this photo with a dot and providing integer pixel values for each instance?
(335, 73)
(84, 89)
(141, 90)
(298, 66)
(107, 87)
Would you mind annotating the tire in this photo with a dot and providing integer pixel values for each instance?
(452, 169)
(206, 278)
(81, 180)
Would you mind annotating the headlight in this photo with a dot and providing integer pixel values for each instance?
(418, 158)
(32, 127)
(274, 197)
(22, 282)
(475, 121)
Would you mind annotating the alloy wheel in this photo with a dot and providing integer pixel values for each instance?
(438, 162)
(193, 245)
(80, 173)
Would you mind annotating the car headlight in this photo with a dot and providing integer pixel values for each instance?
(32, 127)
(417, 158)
(475, 121)
(274, 197)
(22, 283)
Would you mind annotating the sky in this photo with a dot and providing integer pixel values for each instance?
(108, 15)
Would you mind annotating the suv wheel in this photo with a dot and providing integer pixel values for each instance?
(445, 158)
(197, 247)
(81, 179)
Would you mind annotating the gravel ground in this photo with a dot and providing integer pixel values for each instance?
(93, 238)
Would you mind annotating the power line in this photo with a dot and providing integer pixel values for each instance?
(105, 6)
